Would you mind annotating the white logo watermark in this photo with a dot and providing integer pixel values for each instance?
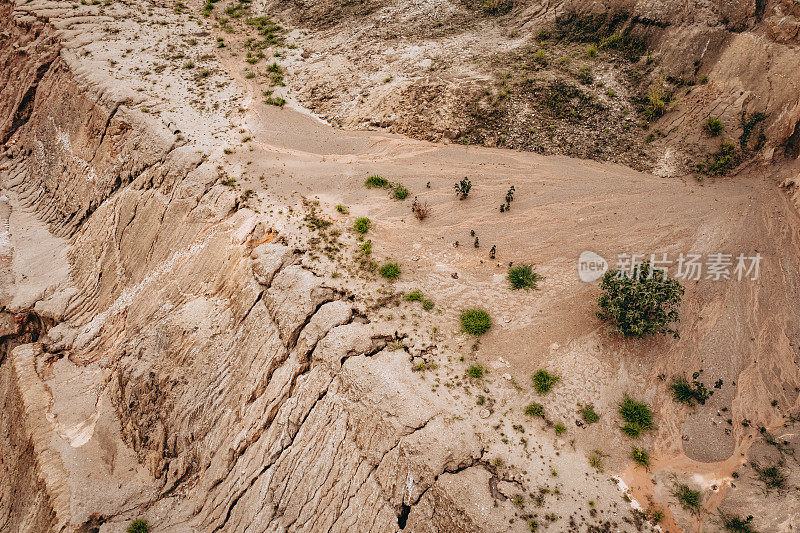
(690, 267)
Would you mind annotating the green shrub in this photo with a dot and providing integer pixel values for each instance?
(366, 247)
(399, 192)
(362, 225)
(138, 526)
(376, 182)
(523, 277)
(415, 296)
(462, 188)
(342, 209)
(736, 524)
(656, 101)
(713, 126)
(427, 304)
(540, 57)
(542, 35)
(721, 162)
(592, 50)
(640, 304)
(688, 393)
(589, 415)
(390, 270)
(596, 462)
(534, 409)
(475, 321)
(476, 371)
(277, 101)
(688, 498)
(640, 456)
(543, 381)
(772, 476)
(637, 415)
(559, 428)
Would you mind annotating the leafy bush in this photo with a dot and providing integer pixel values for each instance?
(342, 209)
(376, 182)
(656, 103)
(721, 162)
(534, 409)
(640, 304)
(366, 247)
(736, 524)
(640, 456)
(540, 57)
(390, 270)
(688, 498)
(637, 415)
(589, 415)
(688, 393)
(362, 225)
(592, 50)
(596, 461)
(462, 188)
(476, 371)
(138, 526)
(399, 192)
(475, 321)
(713, 126)
(543, 381)
(523, 277)
(417, 296)
(559, 428)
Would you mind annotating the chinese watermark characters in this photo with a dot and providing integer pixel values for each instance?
(689, 267)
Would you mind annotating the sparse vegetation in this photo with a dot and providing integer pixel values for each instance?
(419, 209)
(475, 321)
(721, 162)
(543, 381)
(559, 428)
(688, 393)
(637, 415)
(772, 476)
(642, 303)
(596, 461)
(523, 277)
(735, 524)
(640, 457)
(399, 192)
(713, 126)
(362, 225)
(462, 188)
(534, 409)
(476, 371)
(688, 498)
(342, 209)
(376, 182)
(390, 270)
(418, 296)
(589, 415)
(138, 526)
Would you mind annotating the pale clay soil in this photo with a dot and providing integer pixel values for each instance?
(734, 331)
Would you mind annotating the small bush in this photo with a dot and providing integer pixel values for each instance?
(415, 296)
(138, 526)
(475, 321)
(540, 57)
(534, 409)
(376, 182)
(366, 247)
(640, 304)
(592, 50)
(399, 192)
(542, 35)
(589, 415)
(596, 462)
(688, 498)
(688, 393)
(773, 476)
(523, 277)
(476, 371)
(543, 381)
(277, 101)
(390, 270)
(559, 428)
(362, 225)
(637, 415)
(342, 209)
(736, 524)
(713, 126)
(640, 457)
(462, 188)
(420, 210)
(721, 162)
(585, 75)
